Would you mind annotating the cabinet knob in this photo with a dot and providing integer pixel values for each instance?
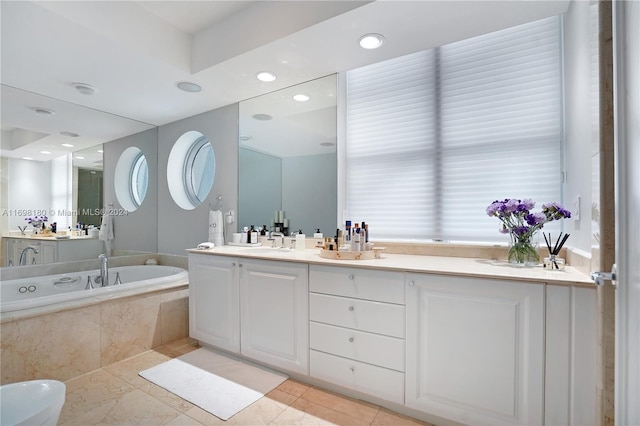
(239, 265)
(351, 308)
(351, 277)
(352, 369)
(351, 339)
(233, 264)
(411, 283)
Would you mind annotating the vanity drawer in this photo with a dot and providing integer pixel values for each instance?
(376, 317)
(371, 348)
(382, 286)
(366, 378)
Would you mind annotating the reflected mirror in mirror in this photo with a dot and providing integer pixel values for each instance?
(88, 185)
(287, 158)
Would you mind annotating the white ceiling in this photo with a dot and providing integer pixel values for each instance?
(134, 52)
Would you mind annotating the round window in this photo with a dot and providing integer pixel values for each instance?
(191, 170)
(131, 178)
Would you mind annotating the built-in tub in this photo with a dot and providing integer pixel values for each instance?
(25, 293)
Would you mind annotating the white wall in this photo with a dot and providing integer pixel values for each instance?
(28, 197)
(579, 148)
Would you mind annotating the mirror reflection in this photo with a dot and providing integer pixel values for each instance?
(52, 160)
(287, 158)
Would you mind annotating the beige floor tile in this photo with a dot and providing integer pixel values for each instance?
(293, 387)
(358, 409)
(133, 408)
(92, 391)
(389, 418)
(203, 417)
(183, 420)
(307, 413)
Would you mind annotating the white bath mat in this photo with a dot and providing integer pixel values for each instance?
(216, 383)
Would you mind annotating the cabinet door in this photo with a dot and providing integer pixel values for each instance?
(49, 252)
(274, 313)
(214, 301)
(475, 349)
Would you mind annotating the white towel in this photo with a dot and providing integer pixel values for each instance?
(106, 228)
(216, 227)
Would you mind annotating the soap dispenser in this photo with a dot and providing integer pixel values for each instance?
(300, 240)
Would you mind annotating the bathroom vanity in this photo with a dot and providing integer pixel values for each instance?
(461, 340)
(50, 249)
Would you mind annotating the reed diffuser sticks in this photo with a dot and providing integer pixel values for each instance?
(553, 252)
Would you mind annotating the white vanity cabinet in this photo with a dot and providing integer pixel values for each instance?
(253, 307)
(357, 329)
(214, 301)
(475, 349)
(274, 313)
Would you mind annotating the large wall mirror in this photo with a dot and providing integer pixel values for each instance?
(287, 158)
(51, 147)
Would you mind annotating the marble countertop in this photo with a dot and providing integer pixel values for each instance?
(461, 266)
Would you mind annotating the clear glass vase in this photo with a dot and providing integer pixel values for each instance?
(523, 250)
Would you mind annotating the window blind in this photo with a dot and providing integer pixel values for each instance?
(61, 191)
(436, 136)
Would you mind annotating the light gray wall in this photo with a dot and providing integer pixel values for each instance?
(579, 148)
(179, 229)
(260, 188)
(311, 202)
(137, 230)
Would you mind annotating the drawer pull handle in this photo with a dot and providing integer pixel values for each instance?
(411, 283)
(351, 277)
(351, 308)
(352, 369)
(351, 339)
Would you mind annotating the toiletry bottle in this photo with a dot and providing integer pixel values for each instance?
(254, 235)
(317, 234)
(347, 232)
(244, 237)
(300, 240)
(355, 241)
(263, 231)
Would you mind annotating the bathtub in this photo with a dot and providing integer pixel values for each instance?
(25, 293)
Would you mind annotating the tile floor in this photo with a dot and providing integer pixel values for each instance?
(116, 395)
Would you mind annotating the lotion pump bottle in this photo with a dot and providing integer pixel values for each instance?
(300, 240)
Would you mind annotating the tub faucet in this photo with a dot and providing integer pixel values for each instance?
(23, 255)
(104, 270)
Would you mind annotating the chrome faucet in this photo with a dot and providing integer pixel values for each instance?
(276, 234)
(104, 270)
(23, 255)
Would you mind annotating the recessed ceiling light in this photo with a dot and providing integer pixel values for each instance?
(262, 117)
(27, 158)
(45, 152)
(67, 145)
(265, 76)
(44, 111)
(245, 138)
(85, 89)
(187, 86)
(100, 151)
(371, 41)
(301, 97)
(79, 157)
(70, 134)
(327, 144)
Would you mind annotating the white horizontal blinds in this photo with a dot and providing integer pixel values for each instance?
(434, 137)
(501, 119)
(61, 191)
(390, 148)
